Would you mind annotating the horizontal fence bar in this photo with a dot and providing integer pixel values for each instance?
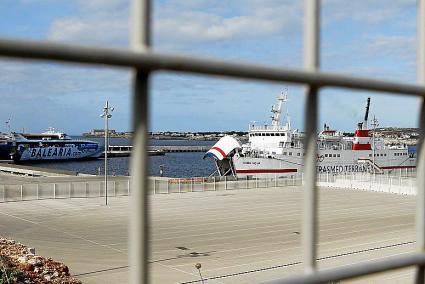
(355, 270)
(151, 61)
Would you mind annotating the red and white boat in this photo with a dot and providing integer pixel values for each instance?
(277, 150)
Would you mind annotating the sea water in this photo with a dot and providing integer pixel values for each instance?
(189, 164)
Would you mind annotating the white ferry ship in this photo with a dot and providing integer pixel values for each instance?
(51, 145)
(277, 150)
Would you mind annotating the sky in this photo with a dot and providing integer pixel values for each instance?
(368, 38)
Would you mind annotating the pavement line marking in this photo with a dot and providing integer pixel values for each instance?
(278, 225)
(298, 262)
(100, 271)
(63, 232)
(182, 271)
(281, 250)
(266, 214)
(285, 230)
(297, 248)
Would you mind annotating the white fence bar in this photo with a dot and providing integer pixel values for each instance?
(334, 275)
(420, 209)
(149, 61)
(139, 209)
(311, 62)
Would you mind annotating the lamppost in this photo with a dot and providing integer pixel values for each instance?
(106, 115)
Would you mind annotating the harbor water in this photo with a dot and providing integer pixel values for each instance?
(173, 164)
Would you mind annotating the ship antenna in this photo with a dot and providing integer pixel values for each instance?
(277, 108)
(8, 124)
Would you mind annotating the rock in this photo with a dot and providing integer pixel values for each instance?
(35, 269)
(23, 259)
(27, 267)
(31, 251)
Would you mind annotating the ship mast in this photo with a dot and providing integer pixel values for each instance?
(277, 108)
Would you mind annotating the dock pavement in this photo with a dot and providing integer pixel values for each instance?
(238, 236)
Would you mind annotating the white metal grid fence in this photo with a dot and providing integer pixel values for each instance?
(143, 61)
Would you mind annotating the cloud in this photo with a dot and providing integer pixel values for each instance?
(402, 47)
(372, 12)
(101, 29)
(206, 26)
(175, 22)
(179, 22)
(98, 22)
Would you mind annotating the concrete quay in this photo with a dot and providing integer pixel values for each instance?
(26, 170)
(239, 236)
(177, 149)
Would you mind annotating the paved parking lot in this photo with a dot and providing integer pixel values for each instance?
(239, 236)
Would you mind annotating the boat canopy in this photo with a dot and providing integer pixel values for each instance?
(223, 148)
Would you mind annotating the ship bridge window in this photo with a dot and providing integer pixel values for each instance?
(338, 155)
(267, 134)
(334, 155)
(290, 153)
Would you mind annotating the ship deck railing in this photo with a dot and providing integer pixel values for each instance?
(268, 128)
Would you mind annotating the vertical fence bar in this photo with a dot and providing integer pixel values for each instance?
(139, 224)
(311, 62)
(420, 206)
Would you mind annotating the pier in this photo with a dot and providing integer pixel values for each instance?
(125, 150)
(178, 149)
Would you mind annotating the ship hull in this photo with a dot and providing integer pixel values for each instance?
(28, 153)
(334, 162)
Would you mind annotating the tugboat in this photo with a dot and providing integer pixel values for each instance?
(277, 150)
(51, 145)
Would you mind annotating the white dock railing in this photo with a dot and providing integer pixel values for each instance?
(122, 187)
(405, 185)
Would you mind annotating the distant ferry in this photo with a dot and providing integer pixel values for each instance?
(277, 151)
(50, 145)
(5, 146)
